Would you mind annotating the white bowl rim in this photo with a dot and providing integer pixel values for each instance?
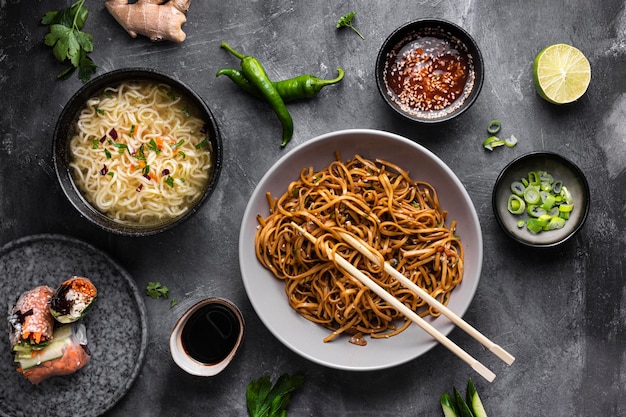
(309, 349)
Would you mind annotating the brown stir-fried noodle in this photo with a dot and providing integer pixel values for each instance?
(379, 203)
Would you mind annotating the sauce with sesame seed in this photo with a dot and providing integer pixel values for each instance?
(428, 72)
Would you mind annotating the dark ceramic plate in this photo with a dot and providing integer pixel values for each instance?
(62, 156)
(562, 169)
(116, 329)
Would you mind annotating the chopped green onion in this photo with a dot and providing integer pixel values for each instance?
(534, 225)
(535, 211)
(531, 195)
(545, 176)
(516, 205)
(555, 223)
(492, 142)
(548, 203)
(494, 127)
(517, 188)
(203, 144)
(510, 142)
(533, 178)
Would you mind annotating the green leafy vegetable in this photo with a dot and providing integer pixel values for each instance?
(265, 400)
(69, 42)
(345, 21)
(157, 290)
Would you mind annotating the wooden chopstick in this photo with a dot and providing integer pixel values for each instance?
(369, 252)
(407, 312)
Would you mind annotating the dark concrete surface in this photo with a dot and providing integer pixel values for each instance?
(561, 312)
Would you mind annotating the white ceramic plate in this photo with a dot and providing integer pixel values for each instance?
(267, 293)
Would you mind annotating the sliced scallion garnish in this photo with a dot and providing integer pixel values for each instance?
(494, 127)
(544, 203)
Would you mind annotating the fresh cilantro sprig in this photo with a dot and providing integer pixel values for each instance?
(345, 21)
(157, 290)
(263, 400)
(69, 42)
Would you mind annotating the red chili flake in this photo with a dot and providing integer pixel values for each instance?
(104, 170)
(165, 172)
(139, 188)
(103, 138)
(146, 176)
(113, 134)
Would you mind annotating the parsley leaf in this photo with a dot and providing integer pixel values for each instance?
(265, 400)
(68, 42)
(345, 21)
(157, 290)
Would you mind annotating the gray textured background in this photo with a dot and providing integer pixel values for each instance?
(560, 312)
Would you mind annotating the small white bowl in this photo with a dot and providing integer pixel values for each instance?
(182, 354)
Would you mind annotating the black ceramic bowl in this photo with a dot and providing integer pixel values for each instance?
(559, 168)
(65, 129)
(429, 70)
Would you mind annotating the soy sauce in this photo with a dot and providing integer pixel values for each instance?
(211, 333)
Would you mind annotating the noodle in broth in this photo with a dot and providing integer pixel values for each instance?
(377, 202)
(138, 154)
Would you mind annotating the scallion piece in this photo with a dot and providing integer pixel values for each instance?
(535, 211)
(531, 195)
(548, 202)
(518, 188)
(492, 142)
(555, 223)
(516, 205)
(510, 142)
(494, 127)
(534, 225)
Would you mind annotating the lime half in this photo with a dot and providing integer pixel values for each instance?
(561, 73)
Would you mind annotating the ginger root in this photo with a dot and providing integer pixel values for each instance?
(157, 19)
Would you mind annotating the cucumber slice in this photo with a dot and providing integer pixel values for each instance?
(474, 400)
(447, 405)
(53, 351)
(464, 410)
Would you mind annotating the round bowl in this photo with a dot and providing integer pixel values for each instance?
(429, 70)
(66, 127)
(267, 293)
(559, 168)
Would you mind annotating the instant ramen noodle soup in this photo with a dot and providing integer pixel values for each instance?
(140, 154)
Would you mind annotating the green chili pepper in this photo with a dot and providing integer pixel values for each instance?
(256, 75)
(301, 87)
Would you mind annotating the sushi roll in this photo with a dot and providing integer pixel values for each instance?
(72, 299)
(31, 324)
(66, 354)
